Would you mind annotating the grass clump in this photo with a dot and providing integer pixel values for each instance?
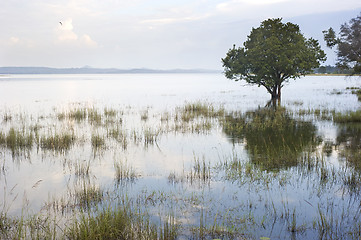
(88, 196)
(97, 142)
(117, 223)
(150, 136)
(123, 172)
(356, 91)
(78, 114)
(17, 140)
(56, 142)
(194, 110)
(349, 117)
(201, 170)
(109, 112)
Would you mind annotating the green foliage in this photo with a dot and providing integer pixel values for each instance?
(348, 44)
(273, 53)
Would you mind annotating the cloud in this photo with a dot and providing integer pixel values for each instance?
(66, 34)
(14, 40)
(65, 31)
(88, 41)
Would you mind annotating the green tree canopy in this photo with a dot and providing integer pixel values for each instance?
(273, 53)
(348, 44)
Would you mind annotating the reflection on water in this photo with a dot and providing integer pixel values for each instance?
(194, 150)
(349, 143)
(273, 139)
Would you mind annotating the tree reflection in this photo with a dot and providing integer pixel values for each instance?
(273, 139)
(349, 142)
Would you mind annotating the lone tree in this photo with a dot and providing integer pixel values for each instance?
(348, 44)
(273, 53)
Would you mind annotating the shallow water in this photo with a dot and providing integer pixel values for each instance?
(255, 201)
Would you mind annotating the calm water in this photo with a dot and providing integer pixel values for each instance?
(34, 178)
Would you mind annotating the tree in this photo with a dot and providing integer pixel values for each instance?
(273, 53)
(348, 44)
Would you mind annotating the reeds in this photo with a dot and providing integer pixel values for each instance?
(97, 142)
(58, 142)
(118, 223)
(282, 154)
(349, 117)
(124, 172)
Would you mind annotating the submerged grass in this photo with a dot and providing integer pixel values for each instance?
(17, 140)
(124, 172)
(277, 146)
(58, 142)
(97, 142)
(117, 223)
(350, 117)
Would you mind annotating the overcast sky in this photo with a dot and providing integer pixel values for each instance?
(160, 34)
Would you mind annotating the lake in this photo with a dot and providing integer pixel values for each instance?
(196, 151)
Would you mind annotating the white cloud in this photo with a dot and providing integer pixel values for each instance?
(65, 31)
(147, 33)
(14, 40)
(66, 34)
(88, 41)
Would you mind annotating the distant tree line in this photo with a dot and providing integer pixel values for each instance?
(331, 70)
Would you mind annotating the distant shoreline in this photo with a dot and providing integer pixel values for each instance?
(332, 74)
(46, 70)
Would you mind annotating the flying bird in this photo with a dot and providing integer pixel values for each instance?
(61, 23)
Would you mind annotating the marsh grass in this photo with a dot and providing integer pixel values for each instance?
(75, 114)
(88, 196)
(150, 136)
(120, 135)
(124, 172)
(349, 117)
(82, 168)
(57, 142)
(192, 111)
(273, 164)
(86, 113)
(17, 140)
(97, 142)
(110, 112)
(27, 227)
(118, 223)
(356, 91)
(201, 170)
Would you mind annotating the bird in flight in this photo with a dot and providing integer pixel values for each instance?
(61, 23)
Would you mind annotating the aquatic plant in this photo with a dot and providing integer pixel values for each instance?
(57, 142)
(117, 223)
(17, 140)
(97, 142)
(124, 172)
(349, 117)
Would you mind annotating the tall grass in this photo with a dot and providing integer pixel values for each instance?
(17, 140)
(58, 142)
(117, 223)
(124, 172)
(349, 117)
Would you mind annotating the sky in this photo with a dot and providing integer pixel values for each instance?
(158, 34)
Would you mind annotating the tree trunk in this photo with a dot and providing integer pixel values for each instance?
(275, 96)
